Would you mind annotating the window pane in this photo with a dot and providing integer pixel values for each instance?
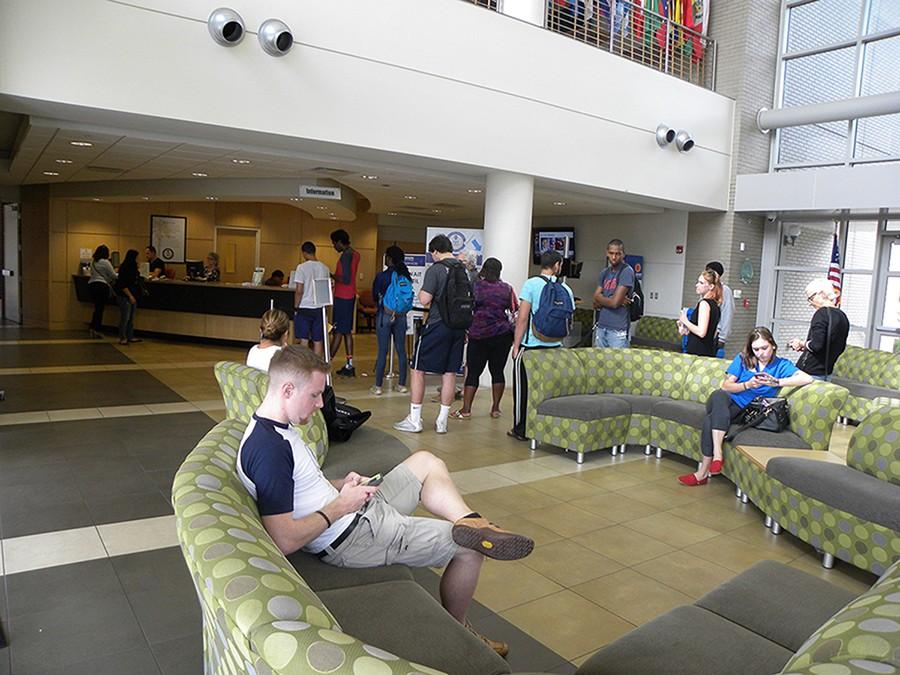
(784, 333)
(822, 23)
(857, 338)
(862, 237)
(880, 72)
(889, 343)
(813, 143)
(884, 14)
(821, 77)
(891, 316)
(811, 248)
(878, 137)
(791, 304)
(856, 292)
(894, 262)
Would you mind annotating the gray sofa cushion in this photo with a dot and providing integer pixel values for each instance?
(865, 390)
(769, 439)
(419, 628)
(587, 407)
(841, 487)
(778, 602)
(324, 577)
(369, 451)
(684, 412)
(688, 641)
(641, 405)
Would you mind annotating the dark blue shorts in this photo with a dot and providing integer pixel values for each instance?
(439, 349)
(308, 325)
(342, 315)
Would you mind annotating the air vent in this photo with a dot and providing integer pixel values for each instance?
(329, 171)
(104, 169)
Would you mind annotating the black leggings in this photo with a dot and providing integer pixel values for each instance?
(99, 294)
(721, 411)
(493, 352)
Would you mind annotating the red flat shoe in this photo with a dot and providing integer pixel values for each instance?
(715, 468)
(690, 480)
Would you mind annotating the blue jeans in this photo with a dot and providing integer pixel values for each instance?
(126, 317)
(822, 378)
(385, 327)
(608, 337)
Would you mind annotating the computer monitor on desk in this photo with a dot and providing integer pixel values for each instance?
(194, 269)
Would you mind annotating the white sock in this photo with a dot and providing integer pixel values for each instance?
(444, 415)
(415, 412)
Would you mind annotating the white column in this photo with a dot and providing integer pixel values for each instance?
(531, 11)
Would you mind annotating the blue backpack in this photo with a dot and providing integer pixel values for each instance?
(398, 298)
(553, 319)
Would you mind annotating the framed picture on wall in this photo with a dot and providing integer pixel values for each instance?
(168, 235)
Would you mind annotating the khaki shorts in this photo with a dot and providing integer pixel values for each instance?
(386, 534)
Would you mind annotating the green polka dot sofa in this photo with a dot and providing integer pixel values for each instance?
(871, 376)
(264, 613)
(770, 619)
(656, 332)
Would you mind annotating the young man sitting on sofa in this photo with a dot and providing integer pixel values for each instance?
(348, 523)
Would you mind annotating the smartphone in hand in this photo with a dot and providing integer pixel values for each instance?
(373, 481)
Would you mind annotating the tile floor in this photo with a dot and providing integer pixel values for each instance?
(91, 434)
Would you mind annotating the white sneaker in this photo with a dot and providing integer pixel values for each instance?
(406, 424)
(376, 390)
(440, 427)
(400, 389)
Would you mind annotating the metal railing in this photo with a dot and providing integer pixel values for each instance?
(627, 29)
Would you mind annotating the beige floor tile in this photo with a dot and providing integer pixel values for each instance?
(567, 623)
(524, 471)
(672, 530)
(519, 498)
(784, 544)
(843, 574)
(125, 411)
(721, 518)
(568, 563)
(24, 418)
(567, 520)
(50, 549)
(614, 507)
(685, 572)
(478, 480)
(566, 488)
(632, 596)
(650, 468)
(169, 408)
(477, 501)
(623, 545)
(735, 554)
(660, 496)
(209, 404)
(74, 414)
(506, 584)
(134, 536)
(515, 523)
(608, 478)
(561, 463)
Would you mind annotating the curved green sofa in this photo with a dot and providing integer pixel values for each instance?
(259, 614)
(871, 376)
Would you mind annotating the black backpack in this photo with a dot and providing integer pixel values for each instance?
(341, 419)
(457, 303)
(636, 308)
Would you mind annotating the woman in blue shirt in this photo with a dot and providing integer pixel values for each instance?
(389, 324)
(756, 371)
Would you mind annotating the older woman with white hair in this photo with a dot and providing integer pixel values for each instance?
(827, 336)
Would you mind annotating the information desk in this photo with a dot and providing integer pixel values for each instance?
(200, 309)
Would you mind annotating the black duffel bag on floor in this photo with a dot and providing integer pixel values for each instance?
(341, 419)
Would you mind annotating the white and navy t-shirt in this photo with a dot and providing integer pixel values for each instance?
(281, 473)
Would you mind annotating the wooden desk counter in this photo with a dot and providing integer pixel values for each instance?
(760, 456)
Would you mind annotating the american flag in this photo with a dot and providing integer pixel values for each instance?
(834, 269)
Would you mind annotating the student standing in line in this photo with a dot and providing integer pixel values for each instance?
(390, 323)
(726, 307)
(103, 278)
(525, 339)
(611, 299)
(127, 293)
(701, 336)
(308, 322)
(344, 299)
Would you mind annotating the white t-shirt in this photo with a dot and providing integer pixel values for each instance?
(259, 357)
(307, 272)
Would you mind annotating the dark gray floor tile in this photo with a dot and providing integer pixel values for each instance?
(14, 455)
(162, 570)
(54, 472)
(106, 488)
(166, 616)
(183, 656)
(73, 390)
(167, 458)
(128, 507)
(37, 494)
(16, 332)
(137, 661)
(73, 633)
(525, 653)
(91, 470)
(163, 480)
(39, 356)
(34, 519)
(61, 588)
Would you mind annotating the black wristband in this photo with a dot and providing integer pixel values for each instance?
(327, 519)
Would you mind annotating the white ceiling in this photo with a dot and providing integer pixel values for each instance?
(128, 165)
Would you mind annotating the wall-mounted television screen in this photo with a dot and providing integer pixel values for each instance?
(560, 239)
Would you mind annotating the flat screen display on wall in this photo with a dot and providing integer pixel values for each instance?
(560, 239)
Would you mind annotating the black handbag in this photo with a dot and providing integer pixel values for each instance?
(341, 419)
(765, 414)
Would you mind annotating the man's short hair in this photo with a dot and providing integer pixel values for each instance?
(152, 249)
(549, 259)
(716, 267)
(616, 242)
(341, 236)
(440, 244)
(308, 247)
(294, 363)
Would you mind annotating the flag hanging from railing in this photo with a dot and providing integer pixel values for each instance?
(834, 268)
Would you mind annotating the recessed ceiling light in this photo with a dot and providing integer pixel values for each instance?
(321, 208)
(146, 199)
(96, 199)
(559, 203)
(409, 196)
(199, 174)
(240, 161)
(333, 217)
(474, 191)
(295, 199)
(81, 144)
(392, 213)
(51, 173)
(63, 161)
(436, 211)
(368, 176)
(212, 198)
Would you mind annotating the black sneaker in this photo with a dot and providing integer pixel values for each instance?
(347, 371)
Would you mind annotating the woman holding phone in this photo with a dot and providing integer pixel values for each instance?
(756, 371)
